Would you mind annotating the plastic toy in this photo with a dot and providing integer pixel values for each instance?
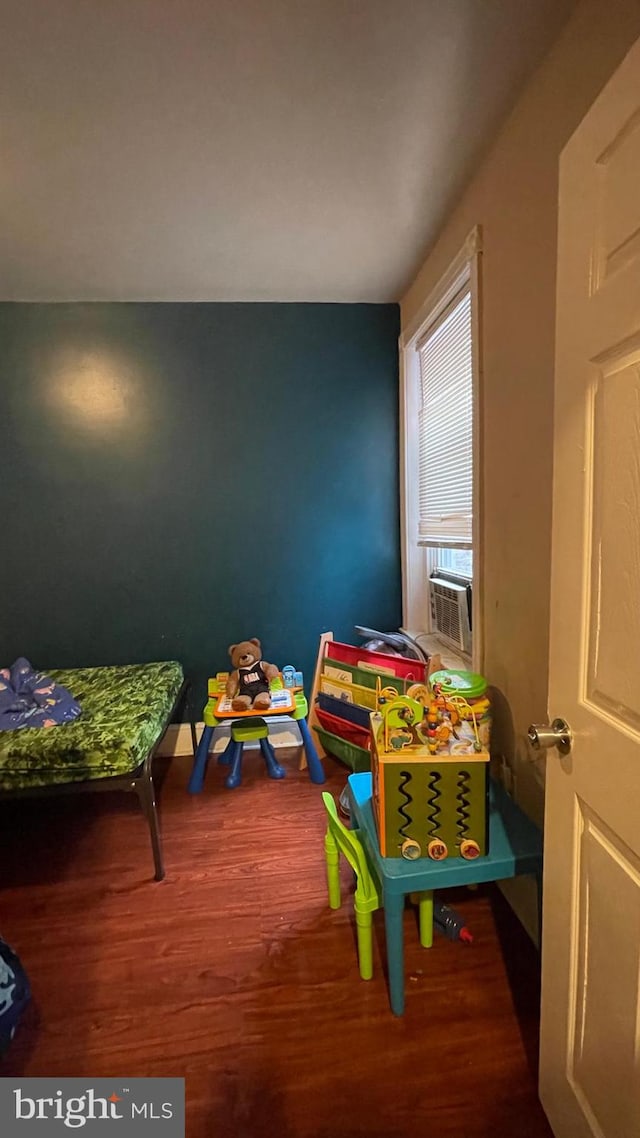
(450, 923)
(466, 692)
(220, 708)
(14, 994)
(430, 774)
(245, 731)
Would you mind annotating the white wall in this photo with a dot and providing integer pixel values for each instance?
(513, 196)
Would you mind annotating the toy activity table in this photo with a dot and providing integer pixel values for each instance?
(515, 848)
(284, 701)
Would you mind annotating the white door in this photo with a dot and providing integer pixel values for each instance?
(590, 1030)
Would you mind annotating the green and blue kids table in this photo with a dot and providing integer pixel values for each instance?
(249, 725)
(515, 846)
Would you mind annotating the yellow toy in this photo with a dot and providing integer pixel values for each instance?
(430, 771)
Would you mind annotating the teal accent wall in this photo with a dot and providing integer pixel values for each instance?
(182, 476)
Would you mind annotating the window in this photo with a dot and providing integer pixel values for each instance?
(440, 506)
(445, 467)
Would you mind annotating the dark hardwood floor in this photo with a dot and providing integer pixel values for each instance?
(234, 973)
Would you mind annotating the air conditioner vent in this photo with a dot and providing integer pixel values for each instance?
(450, 612)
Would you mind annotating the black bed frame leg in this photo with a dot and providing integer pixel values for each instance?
(146, 794)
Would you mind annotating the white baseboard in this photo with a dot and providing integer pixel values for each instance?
(177, 739)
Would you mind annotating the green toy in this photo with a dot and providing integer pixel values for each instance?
(430, 764)
(368, 895)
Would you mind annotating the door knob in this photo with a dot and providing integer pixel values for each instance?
(557, 734)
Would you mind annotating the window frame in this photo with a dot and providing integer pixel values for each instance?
(464, 271)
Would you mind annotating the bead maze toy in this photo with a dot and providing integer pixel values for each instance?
(430, 764)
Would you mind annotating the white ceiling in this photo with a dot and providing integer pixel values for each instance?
(245, 149)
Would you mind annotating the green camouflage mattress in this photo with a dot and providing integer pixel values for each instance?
(124, 709)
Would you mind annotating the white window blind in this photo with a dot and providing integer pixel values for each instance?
(445, 429)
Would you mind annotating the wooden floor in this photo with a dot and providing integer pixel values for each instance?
(235, 974)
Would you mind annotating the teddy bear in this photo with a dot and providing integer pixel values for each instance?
(248, 683)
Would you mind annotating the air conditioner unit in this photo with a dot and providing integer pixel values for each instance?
(450, 605)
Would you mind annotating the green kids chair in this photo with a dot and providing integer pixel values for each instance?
(368, 895)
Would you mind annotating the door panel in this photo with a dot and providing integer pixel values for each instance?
(590, 1041)
(601, 1023)
(618, 234)
(614, 619)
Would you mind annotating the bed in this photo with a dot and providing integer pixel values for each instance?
(125, 712)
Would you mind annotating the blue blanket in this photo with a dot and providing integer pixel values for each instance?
(31, 699)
